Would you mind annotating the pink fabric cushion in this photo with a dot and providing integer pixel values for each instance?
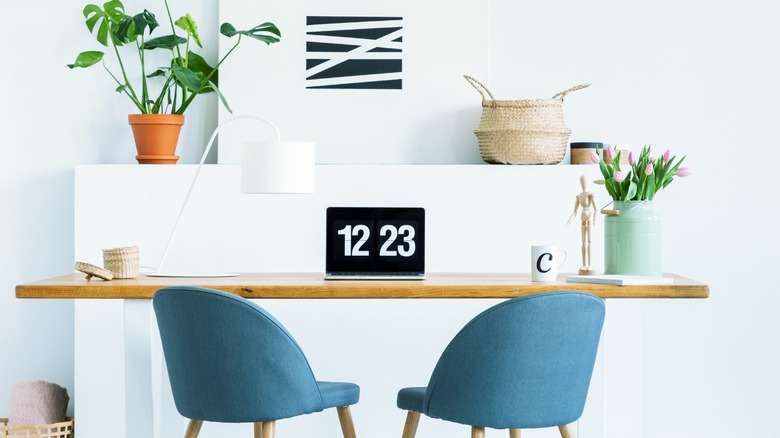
(37, 403)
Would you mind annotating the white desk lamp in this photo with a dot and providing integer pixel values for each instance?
(266, 167)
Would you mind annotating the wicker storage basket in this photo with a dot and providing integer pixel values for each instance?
(122, 262)
(55, 430)
(522, 131)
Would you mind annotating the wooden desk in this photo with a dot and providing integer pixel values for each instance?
(122, 389)
(312, 285)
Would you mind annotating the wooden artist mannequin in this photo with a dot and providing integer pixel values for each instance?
(585, 200)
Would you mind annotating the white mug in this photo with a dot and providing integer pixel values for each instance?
(545, 262)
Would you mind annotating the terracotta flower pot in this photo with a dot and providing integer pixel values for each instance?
(156, 137)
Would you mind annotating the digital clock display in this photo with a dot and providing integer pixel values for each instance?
(375, 240)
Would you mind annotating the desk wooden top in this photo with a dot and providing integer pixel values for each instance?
(312, 285)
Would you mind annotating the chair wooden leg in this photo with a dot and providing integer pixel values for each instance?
(564, 428)
(410, 428)
(477, 432)
(193, 429)
(258, 427)
(345, 418)
(514, 433)
(269, 429)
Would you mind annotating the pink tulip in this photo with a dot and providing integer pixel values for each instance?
(619, 177)
(631, 158)
(667, 156)
(649, 168)
(594, 158)
(683, 172)
(609, 154)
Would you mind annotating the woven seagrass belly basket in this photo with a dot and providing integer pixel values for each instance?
(522, 131)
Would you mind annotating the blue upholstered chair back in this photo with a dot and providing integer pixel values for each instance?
(523, 363)
(229, 360)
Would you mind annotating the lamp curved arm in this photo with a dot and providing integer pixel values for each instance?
(197, 173)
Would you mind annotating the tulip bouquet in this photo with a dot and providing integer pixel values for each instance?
(645, 177)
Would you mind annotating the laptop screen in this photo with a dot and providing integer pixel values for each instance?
(375, 241)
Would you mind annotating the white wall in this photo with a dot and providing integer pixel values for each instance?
(52, 119)
(696, 76)
(430, 121)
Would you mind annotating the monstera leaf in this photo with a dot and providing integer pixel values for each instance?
(266, 32)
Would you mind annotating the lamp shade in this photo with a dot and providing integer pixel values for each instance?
(277, 167)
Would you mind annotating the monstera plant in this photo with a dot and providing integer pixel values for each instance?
(164, 91)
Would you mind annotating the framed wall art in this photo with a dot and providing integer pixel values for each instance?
(368, 82)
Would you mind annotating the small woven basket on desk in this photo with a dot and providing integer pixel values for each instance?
(122, 262)
(55, 430)
(522, 131)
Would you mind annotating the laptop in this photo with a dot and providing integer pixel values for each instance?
(375, 243)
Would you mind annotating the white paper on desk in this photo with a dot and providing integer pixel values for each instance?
(619, 280)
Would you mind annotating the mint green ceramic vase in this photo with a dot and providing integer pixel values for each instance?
(632, 240)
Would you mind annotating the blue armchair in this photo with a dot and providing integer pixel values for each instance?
(524, 363)
(230, 361)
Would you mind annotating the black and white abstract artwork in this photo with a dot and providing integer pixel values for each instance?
(369, 82)
(354, 52)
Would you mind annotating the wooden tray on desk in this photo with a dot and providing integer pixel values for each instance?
(312, 285)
